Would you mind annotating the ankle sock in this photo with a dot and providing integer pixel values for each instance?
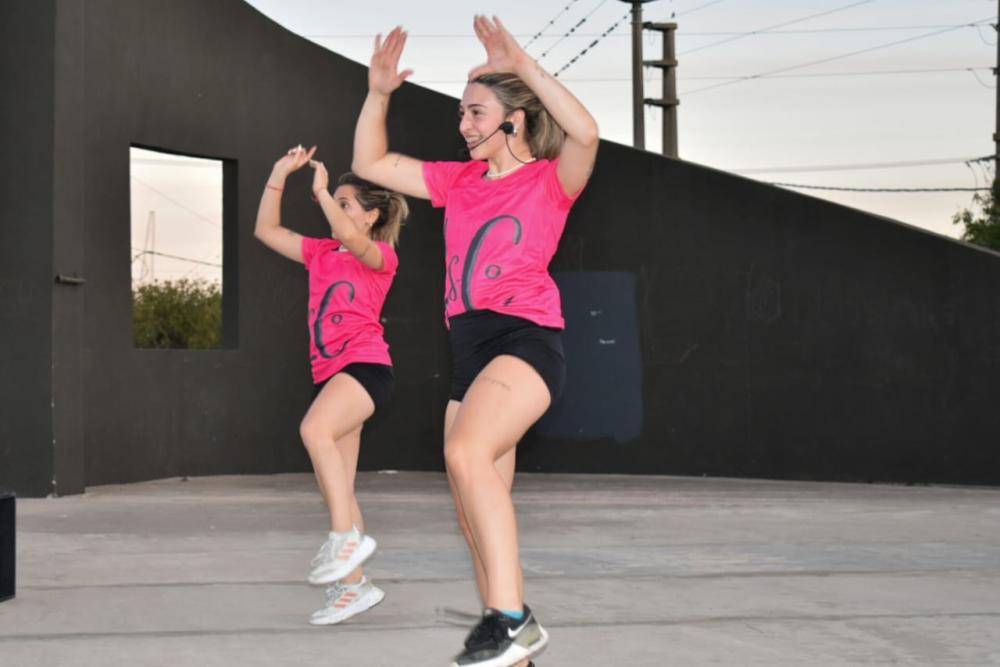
(516, 615)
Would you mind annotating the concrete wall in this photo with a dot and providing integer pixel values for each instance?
(717, 326)
(26, 229)
(220, 80)
(787, 337)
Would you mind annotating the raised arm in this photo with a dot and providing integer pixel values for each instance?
(344, 230)
(268, 228)
(372, 159)
(504, 54)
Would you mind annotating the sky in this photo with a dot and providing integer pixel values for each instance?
(176, 212)
(834, 93)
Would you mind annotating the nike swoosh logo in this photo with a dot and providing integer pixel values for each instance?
(511, 633)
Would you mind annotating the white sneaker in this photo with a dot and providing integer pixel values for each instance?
(346, 600)
(340, 555)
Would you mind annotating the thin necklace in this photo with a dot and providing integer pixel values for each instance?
(493, 175)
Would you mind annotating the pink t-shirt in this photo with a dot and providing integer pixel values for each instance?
(345, 305)
(499, 237)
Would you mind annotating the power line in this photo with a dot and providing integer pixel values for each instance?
(831, 58)
(177, 257)
(777, 25)
(694, 9)
(176, 203)
(810, 31)
(839, 189)
(858, 166)
(573, 29)
(731, 77)
(217, 255)
(975, 176)
(812, 75)
(981, 82)
(592, 44)
(985, 41)
(699, 33)
(551, 22)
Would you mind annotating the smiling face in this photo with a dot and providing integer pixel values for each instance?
(480, 114)
(346, 197)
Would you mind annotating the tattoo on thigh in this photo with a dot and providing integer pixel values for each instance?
(494, 381)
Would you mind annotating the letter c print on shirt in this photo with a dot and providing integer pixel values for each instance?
(492, 271)
(336, 319)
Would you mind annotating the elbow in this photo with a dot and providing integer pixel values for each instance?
(261, 234)
(360, 167)
(590, 134)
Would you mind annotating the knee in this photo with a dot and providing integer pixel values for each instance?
(313, 436)
(460, 458)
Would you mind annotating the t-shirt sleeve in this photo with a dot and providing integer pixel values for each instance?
(439, 177)
(308, 250)
(311, 247)
(390, 260)
(554, 189)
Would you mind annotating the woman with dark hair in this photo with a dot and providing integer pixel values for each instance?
(532, 146)
(350, 274)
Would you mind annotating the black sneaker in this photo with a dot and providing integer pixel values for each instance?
(500, 641)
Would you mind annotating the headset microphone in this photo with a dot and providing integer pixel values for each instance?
(506, 127)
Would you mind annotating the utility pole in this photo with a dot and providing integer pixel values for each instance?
(148, 269)
(996, 75)
(638, 126)
(668, 102)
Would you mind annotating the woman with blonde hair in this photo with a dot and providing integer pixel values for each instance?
(532, 146)
(350, 274)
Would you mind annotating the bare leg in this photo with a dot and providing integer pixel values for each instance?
(506, 398)
(337, 413)
(349, 446)
(505, 468)
(356, 509)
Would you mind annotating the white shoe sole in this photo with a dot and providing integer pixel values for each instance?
(331, 572)
(515, 656)
(328, 616)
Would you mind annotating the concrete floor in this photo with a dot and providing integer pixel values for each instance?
(621, 570)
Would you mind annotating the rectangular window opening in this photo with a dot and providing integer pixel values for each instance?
(178, 219)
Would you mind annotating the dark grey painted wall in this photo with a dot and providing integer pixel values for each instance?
(26, 188)
(779, 335)
(219, 80)
(783, 336)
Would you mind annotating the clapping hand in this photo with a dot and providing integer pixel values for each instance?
(383, 74)
(503, 53)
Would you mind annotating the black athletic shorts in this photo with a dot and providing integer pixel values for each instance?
(377, 380)
(478, 336)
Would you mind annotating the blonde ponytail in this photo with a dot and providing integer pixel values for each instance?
(392, 207)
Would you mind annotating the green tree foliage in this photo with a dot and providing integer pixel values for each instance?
(982, 228)
(177, 314)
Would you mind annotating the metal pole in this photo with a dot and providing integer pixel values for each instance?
(638, 110)
(996, 75)
(670, 147)
(669, 102)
